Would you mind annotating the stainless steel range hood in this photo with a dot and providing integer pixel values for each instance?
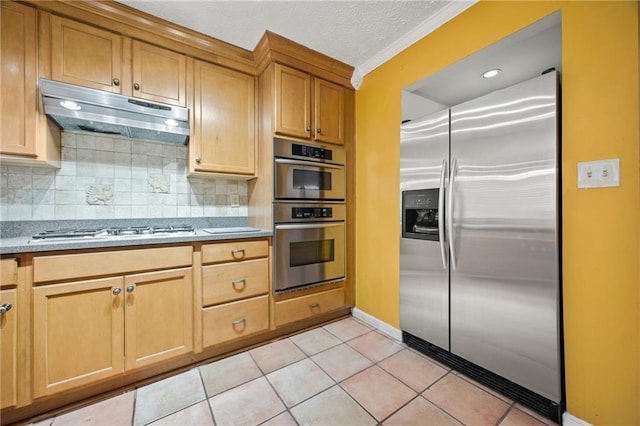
(77, 108)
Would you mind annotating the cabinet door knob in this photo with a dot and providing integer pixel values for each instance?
(136, 86)
(318, 131)
(198, 159)
(130, 289)
(117, 291)
(308, 128)
(116, 82)
(5, 308)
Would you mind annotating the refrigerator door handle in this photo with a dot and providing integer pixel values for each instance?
(454, 163)
(441, 234)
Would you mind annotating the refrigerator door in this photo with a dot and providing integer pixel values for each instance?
(424, 277)
(504, 238)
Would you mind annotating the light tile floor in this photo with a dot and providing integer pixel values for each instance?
(344, 373)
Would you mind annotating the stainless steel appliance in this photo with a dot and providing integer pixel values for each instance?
(75, 234)
(309, 214)
(480, 244)
(309, 244)
(80, 108)
(308, 172)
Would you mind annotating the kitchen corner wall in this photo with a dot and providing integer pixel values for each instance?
(106, 177)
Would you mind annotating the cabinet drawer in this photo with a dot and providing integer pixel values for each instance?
(8, 272)
(71, 266)
(233, 281)
(234, 251)
(307, 306)
(233, 320)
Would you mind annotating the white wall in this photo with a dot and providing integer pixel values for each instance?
(105, 177)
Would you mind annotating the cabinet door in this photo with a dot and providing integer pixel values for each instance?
(158, 316)
(293, 102)
(159, 74)
(77, 334)
(224, 121)
(85, 55)
(328, 112)
(8, 348)
(18, 80)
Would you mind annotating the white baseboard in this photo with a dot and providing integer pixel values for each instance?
(571, 420)
(382, 326)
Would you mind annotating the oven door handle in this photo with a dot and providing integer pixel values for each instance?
(309, 225)
(310, 163)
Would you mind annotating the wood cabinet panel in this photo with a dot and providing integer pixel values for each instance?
(77, 334)
(75, 266)
(329, 112)
(301, 112)
(8, 348)
(233, 281)
(224, 123)
(8, 272)
(158, 316)
(292, 102)
(85, 55)
(159, 74)
(303, 307)
(234, 320)
(18, 58)
(234, 251)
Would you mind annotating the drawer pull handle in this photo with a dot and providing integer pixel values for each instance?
(237, 251)
(239, 321)
(314, 305)
(238, 282)
(5, 308)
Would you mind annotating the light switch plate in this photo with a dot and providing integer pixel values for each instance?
(599, 174)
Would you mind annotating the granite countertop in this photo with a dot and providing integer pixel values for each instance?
(16, 236)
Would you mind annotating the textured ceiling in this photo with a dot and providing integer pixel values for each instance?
(354, 32)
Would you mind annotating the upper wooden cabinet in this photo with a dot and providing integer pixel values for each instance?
(223, 122)
(85, 55)
(92, 57)
(308, 107)
(159, 74)
(24, 136)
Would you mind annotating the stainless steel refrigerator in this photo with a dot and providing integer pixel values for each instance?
(480, 240)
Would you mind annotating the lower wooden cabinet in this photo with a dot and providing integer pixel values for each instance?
(90, 330)
(233, 320)
(8, 347)
(77, 334)
(303, 307)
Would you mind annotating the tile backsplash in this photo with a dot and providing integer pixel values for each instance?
(108, 177)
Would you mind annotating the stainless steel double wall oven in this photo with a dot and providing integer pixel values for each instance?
(309, 214)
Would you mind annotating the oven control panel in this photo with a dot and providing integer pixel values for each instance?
(311, 212)
(311, 152)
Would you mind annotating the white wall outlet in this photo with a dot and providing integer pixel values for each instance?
(599, 174)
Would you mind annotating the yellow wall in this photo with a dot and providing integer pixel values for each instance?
(600, 226)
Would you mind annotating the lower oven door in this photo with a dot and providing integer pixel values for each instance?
(308, 253)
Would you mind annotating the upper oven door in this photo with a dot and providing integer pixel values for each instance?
(306, 180)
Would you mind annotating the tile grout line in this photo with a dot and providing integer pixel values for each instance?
(206, 396)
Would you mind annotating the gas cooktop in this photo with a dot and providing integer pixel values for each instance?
(72, 234)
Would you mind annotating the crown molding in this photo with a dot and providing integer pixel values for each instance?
(442, 16)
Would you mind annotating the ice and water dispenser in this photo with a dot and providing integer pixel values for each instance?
(420, 214)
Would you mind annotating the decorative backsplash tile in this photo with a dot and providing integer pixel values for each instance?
(104, 177)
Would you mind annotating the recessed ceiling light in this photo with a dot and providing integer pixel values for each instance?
(70, 105)
(170, 122)
(491, 73)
